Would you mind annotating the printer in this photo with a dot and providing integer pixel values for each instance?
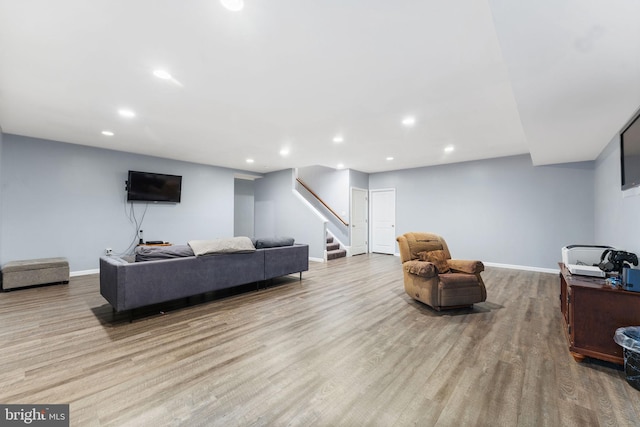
(584, 259)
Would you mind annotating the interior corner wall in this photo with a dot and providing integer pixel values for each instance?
(1, 198)
(243, 208)
(616, 217)
(68, 200)
(503, 211)
(278, 212)
(358, 179)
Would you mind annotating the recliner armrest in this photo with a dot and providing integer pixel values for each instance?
(420, 268)
(466, 266)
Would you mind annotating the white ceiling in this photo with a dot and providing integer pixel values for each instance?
(553, 78)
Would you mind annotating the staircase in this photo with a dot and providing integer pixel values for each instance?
(334, 250)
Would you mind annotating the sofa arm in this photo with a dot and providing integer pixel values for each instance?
(420, 268)
(112, 278)
(466, 266)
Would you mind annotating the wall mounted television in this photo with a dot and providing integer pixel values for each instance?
(153, 187)
(630, 154)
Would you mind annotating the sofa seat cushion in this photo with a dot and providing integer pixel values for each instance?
(154, 253)
(222, 246)
(273, 242)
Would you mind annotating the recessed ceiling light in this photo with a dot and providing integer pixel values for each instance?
(284, 152)
(233, 5)
(107, 133)
(249, 160)
(409, 121)
(338, 139)
(126, 113)
(162, 74)
(449, 148)
(389, 158)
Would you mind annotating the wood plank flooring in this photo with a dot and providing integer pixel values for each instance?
(343, 347)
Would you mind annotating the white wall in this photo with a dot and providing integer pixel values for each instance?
(617, 218)
(358, 179)
(278, 212)
(243, 212)
(503, 211)
(60, 199)
(68, 200)
(331, 185)
(1, 198)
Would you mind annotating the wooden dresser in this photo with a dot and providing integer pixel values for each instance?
(592, 310)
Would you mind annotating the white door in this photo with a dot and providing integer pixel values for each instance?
(359, 221)
(383, 221)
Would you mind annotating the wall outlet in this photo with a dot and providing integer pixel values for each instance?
(108, 251)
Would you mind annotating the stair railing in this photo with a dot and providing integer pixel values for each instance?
(322, 201)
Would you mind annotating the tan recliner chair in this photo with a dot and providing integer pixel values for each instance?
(432, 277)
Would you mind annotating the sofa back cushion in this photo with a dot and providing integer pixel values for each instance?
(222, 246)
(154, 253)
(273, 242)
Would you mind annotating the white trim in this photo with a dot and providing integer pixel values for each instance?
(84, 272)
(246, 176)
(516, 267)
(522, 267)
(309, 205)
(316, 259)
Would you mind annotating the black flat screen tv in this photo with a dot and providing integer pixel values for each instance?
(630, 154)
(153, 187)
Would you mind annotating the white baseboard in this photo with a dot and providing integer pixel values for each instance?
(517, 267)
(522, 267)
(316, 259)
(84, 272)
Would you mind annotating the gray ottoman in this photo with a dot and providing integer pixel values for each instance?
(18, 274)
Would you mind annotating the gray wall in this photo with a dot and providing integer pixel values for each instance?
(243, 217)
(330, 185)
(1, 198)
(617, 218)
(68, 200)
(503, 210)
(334, 187)
(278, 212)
(358, 179)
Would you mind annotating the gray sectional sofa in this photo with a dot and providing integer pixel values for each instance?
(127, 285)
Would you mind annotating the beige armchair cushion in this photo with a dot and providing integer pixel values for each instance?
(466, 266)
(438, 258)
(420, 268)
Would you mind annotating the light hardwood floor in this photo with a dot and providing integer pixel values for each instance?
(343, 347)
